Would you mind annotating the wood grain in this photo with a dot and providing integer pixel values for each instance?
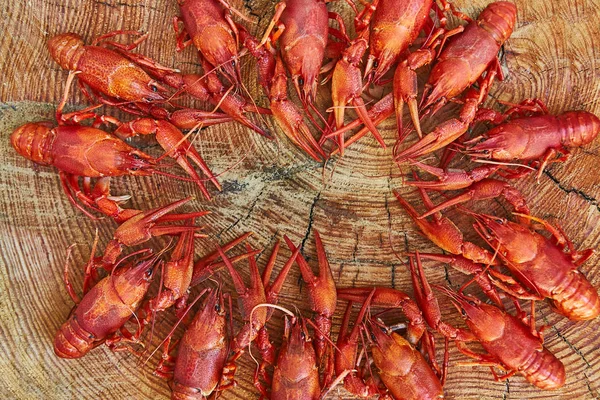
(552, 55)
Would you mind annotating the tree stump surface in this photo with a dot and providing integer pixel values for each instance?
(275, 190)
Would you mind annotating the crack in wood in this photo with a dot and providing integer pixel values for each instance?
(571, 346)
(310, 221)
(355, 251)
(125, 4)
(340, 271)
(355, 277)
(275, 173)
(506, 391)
(595, 394)
(447, 275)
(389, 216)
(268, 246)
(233, 186)
(240, 219)
(362, 261)
(248, 5)
(588, 199)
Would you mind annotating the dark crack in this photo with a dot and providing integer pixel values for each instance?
(506, 391)
(125, 4)
(233, 186)
(363, 261)
(389, 214)
(355, 278)
(340, 271)
(243, 218)
(593, 392)
(571, 346)
(447, 275)
(275, 173)
(268, 246)
(580, 193)
(310, 221)
(248, 5)
(355, 251)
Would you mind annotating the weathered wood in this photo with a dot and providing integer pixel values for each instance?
(275, 190)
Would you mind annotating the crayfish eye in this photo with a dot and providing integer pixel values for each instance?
(233, 63)
(463, 312)
(500, 221)
(375, 64)
(303, 335)
(217, 308)
(154, 88)
(149, 272)
(301, 81)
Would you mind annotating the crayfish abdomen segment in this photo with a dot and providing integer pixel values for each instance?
(34, 142)
(66, 49)
(72, 341)
(498, 19)
(577, 298)
(577, 128)
(544, 370)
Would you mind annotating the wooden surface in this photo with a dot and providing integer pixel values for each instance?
(553, 54)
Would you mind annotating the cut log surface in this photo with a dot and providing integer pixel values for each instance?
(272, 189)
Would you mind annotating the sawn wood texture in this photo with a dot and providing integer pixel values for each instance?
(275, 190)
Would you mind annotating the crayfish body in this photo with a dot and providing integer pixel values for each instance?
(126, 81)
(104, 309)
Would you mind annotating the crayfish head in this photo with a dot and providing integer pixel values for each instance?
(136, 162)
(132, 281)
(210, 324)
(514, 242)
(388, 349)
(305, 70)
(148, 90)
(447, 80)
(306, 87)
(296, 337)
(484, 320)
(378, 66)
